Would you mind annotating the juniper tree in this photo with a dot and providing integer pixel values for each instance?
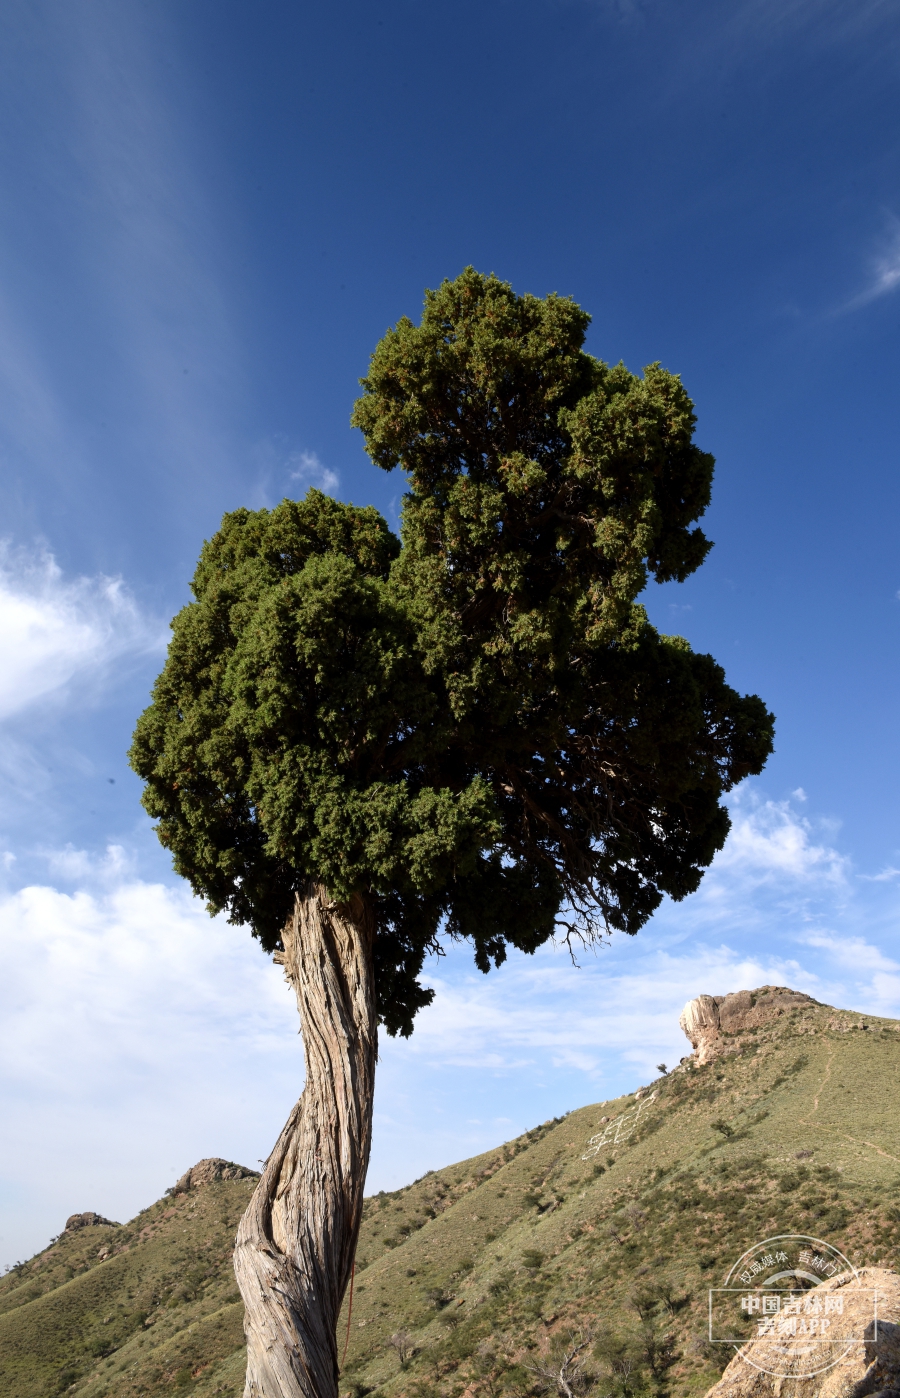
(362, 744)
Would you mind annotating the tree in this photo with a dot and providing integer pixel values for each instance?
(404, 1344)
(563, 1369)
(362, 744)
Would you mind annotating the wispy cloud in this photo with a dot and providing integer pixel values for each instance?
(884, 273)
(54, 630)
(156, 256)
(884, 876)
(36, 427)
(770, 841)
(280, 466)
(543, 1011)
(708, 42)
(887, 270)
(128, 231)
(855, 953)
(829, 19)
(305, 467)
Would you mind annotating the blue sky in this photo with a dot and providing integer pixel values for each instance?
(210, 214)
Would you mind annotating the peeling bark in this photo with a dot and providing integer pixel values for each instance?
(295, 1244)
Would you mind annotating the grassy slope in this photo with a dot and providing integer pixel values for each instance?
(488, 1264)
(163, 1304)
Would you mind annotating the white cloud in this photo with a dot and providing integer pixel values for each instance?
(770, 842)
(54, 630)
(77, 865)
(886, 268)
(853, 953)
(132, 976)
(542, 1009)
(139, 1036)
(305, 466)
(276, 462)
(884, 277)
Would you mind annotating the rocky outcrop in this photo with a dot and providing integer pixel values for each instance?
(869, 1367)
(208, 1171)
(88, 1220)
(708, 1019)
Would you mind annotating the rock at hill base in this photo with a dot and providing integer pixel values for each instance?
(208, 1171)
(869, 1368)
(88, 1220)
(708, 1018)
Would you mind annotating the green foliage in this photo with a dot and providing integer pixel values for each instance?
(473, 727)
(792, 1181)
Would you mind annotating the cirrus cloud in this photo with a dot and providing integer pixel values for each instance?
(55, 631)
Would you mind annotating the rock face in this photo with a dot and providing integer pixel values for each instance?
(871, 1365)
(88, 1220)
(707, 1019)
(208, 1171)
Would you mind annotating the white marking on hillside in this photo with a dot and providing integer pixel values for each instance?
(619, 1129)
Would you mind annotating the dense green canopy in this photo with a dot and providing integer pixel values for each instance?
(474, 725)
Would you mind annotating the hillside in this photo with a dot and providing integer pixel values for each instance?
(476, 1272)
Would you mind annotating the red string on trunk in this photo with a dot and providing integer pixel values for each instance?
(349, 1314)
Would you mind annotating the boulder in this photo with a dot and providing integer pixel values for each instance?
(707, 1019)
(88, 1220)
(208, 1171)
(867, 1367)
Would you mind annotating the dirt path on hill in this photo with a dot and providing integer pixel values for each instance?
(830, 1129)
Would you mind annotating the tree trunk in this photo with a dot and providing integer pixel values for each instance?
(295, 1244)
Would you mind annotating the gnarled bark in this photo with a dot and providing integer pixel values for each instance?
(295, 1244)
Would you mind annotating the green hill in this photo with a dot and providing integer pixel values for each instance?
(474, 1277)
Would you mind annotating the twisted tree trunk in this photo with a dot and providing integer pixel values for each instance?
(295, 1244)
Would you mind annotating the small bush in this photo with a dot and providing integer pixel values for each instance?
(792, 1181)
